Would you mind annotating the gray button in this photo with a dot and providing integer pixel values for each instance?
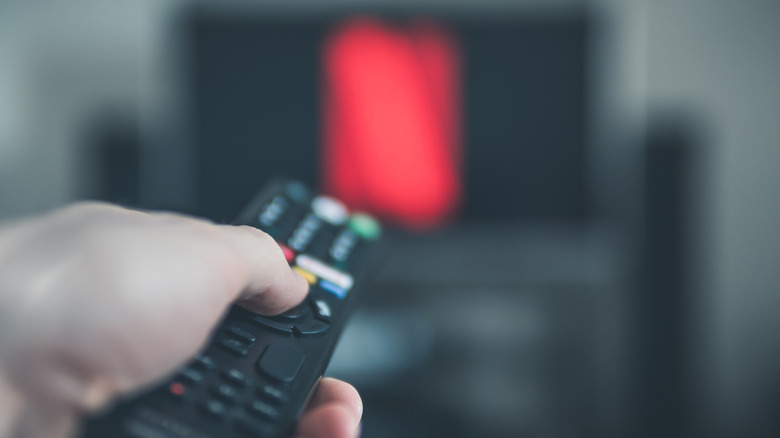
(281, 361)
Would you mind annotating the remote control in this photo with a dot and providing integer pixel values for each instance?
(258, 372)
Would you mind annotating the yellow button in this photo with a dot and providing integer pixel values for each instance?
(311, 278)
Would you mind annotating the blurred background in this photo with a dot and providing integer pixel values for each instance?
(596, 250)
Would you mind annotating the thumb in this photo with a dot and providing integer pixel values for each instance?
(271, 286)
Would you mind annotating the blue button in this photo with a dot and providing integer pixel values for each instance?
(332, 288)
(297, 191)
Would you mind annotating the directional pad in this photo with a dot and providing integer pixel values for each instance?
(277, 326)
(310, 328)
(293, 314)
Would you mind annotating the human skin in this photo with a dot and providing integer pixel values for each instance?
(97, 301)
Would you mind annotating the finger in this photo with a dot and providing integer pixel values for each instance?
(329, 421)
(45, 420)
(333, 412)
(332, 391)
(271, 286)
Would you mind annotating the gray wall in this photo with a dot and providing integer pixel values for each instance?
(721, 60)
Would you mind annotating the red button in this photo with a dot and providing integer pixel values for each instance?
(288, 253)
(177, 389)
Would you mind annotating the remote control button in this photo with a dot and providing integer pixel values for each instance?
(293, 314)
(273, 211)
(253, 428)
(311, 278)
(281, 361)
(311, 223)
(191, 376)
(234, 346)
(203, 363)
(332, 288)
(215, 409)
(365, 226)
(272, 393)
(297, 191)
(263, 410)
(226, 393)
(266, 219)
(241, 334)
(324, 271)
(236, 377)
(322, 309)
(329, 210)
(343, 245)
(277, 326)
(305, 232)
(339, 253)
(311, 328)
(289, 255)
(300, 240)
(178, 391)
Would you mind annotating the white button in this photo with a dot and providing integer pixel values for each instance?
(323, 308)
(324, 271)
(329, 210)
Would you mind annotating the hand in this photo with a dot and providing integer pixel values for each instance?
(97, 300)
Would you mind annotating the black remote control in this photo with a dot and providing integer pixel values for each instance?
(258, 372)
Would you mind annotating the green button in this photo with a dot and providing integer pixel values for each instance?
(365, 226)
